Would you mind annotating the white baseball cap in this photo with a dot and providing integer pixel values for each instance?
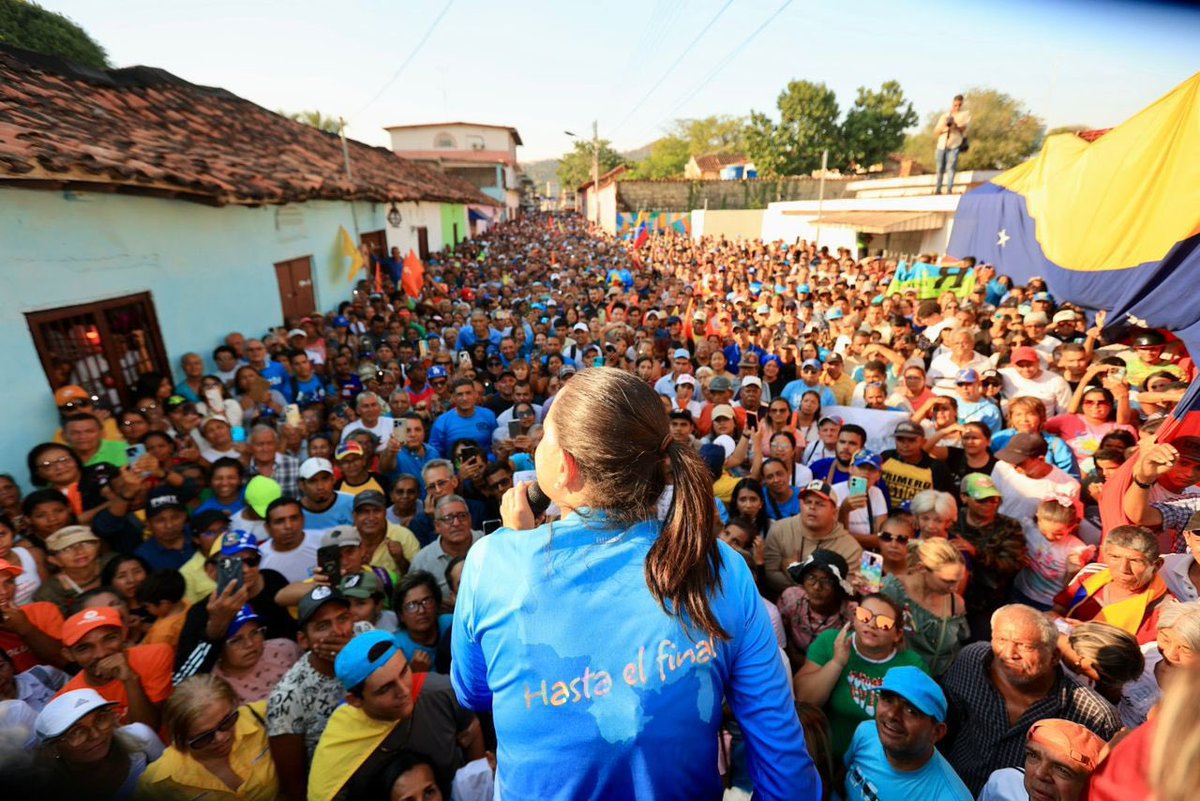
(315, 466)
(66, 710)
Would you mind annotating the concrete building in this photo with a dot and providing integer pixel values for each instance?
(709, 166)
(143, 217)
(483, 155)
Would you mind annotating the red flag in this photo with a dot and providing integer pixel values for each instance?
(413, 276)
(643, 236)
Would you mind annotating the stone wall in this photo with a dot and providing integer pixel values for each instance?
(634, 196)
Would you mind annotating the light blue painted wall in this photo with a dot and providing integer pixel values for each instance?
(209, 271)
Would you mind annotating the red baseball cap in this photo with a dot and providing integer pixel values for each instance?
(1024, 354)
(81, 623)
(8, 567)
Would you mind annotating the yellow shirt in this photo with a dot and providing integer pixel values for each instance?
(383, 558)
(198, 585)
(177, 775)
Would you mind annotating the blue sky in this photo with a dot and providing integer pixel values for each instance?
(543, 67)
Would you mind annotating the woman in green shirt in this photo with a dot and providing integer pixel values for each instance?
(846, 666)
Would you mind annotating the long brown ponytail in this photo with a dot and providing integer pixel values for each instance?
(614, 426)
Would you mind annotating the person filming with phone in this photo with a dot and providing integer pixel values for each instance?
(951, 133)
(642, 626)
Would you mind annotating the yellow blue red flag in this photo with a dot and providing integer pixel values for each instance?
(1109, 224)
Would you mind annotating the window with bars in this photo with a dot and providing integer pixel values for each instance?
(100, 346)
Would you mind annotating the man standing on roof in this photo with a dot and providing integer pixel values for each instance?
(951, 133)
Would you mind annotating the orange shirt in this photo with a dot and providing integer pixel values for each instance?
(153, 665)
(166, 630)
(45, 617)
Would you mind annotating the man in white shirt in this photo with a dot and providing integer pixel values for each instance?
(370, 417)
(958, 354)
(951, 132)
(1036, 323)
(1024, 477)
(291, 551)
(1027, 378)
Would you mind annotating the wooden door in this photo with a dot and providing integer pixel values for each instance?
(377, 242)
(423, 242)
(295, 288)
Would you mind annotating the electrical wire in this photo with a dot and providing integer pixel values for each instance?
(416, 49)
(671, 68)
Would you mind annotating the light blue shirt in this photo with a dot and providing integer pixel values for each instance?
(795, 390)
(870, 777)
(597, 693)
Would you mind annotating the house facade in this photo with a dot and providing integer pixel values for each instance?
(143, 217)
(483, 155)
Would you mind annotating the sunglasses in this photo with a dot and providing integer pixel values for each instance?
(205, 740)
(79, 404)
(900, 539)
(881, 622)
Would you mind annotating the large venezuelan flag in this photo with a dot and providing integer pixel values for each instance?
(1111, 224)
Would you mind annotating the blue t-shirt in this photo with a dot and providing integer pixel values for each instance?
(870, 777)
(341, 513)
(406, 643)
(310, 391)
(279, 378)
(228, 508)
(778, 511)
(411, 463)
(596, 692)
(795, 390)
(450, 427)
(161, 558)
(981, 411)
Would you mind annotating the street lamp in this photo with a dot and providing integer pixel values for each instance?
(595, 169)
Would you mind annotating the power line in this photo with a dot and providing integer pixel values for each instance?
(671, 68)
(725, 62)
(408, 60)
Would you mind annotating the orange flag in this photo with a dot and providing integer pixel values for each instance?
(413, 276)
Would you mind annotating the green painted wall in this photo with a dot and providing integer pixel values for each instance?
(454, 214)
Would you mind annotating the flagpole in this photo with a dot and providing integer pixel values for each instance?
(350, 179)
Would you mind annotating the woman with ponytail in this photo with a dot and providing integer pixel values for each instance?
(604, 643)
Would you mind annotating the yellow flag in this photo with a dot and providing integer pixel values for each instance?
(348, 249)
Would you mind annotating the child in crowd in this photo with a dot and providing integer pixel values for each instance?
(1056, 553)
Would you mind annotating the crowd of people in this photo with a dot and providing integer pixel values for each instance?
(969, 561)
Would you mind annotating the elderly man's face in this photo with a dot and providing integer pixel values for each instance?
(1131, 569)
(1020, 653)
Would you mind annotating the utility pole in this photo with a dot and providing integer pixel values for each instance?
(821, 193)
(596, 170)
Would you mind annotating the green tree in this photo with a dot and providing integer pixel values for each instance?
(1002, 131)
(874, 126)
(808, 124)
(717, 134)
(667, 158)
(575, 167)
(27, 25)
(316, 119)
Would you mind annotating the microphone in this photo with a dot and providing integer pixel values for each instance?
(538, 501)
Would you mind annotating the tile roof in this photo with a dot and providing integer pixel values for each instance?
(144, 130)
(711, 162)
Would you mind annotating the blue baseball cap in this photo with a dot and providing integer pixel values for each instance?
(868, 459)
(816, 365)
(967, 376)
(437, 371)
(235, 541)
(915, 686)
(682, 353)
(341, 322)
(1042, 296)
(354, 664)
(803, 289)
(834, 314)
(244, 616)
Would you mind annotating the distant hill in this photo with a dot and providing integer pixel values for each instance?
(547, 169)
